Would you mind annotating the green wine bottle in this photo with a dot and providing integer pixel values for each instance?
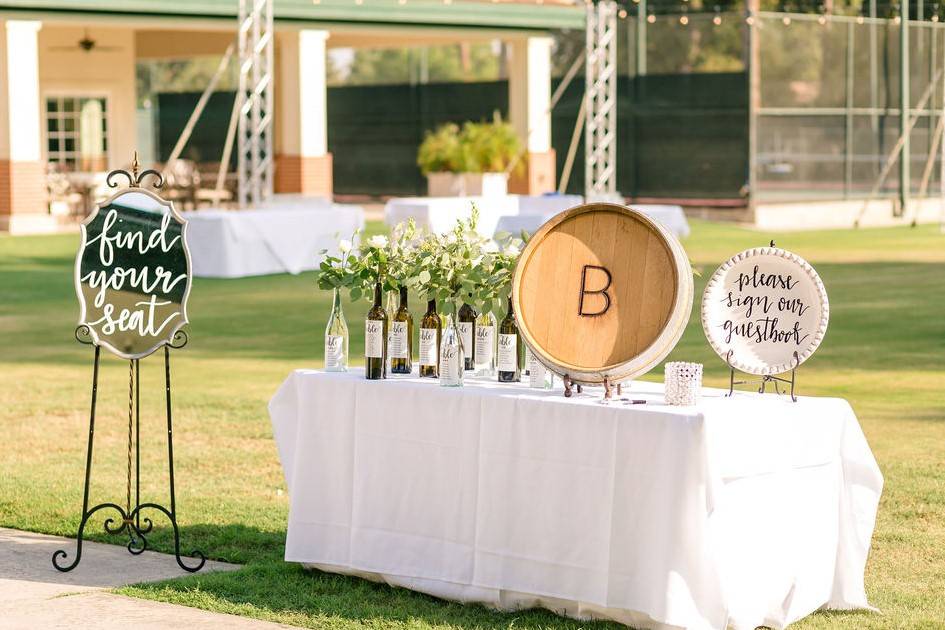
(430, 330)
(375, 339)
(400, 345)
(466, 327)
(510, 349)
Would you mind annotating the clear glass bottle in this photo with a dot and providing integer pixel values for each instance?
(336, 337)
(466, 325)
(485, 344)
(539, 377)
(452, 364)
(375, 339)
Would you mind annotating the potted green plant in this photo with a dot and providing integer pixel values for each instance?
(470, 160)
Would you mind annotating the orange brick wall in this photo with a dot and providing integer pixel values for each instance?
(305, 175)
(537, 177)
(22, 188)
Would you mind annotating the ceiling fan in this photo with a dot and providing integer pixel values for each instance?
(86, 44)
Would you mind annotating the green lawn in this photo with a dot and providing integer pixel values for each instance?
(884, 351)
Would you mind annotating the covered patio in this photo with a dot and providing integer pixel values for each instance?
(70, 110)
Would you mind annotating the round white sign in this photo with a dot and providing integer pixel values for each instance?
(765, 311)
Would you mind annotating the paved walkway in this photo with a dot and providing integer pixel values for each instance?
(34, 595)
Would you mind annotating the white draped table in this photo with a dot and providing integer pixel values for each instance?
(508, 213)
(738, 512)
(283, 237)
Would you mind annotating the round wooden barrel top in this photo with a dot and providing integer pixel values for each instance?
(597, 288)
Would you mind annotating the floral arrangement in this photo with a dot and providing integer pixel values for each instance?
(374, 259)
(456, 267)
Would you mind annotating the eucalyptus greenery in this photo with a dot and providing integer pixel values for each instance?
(456, 267)
(389, 261)
(464, 266)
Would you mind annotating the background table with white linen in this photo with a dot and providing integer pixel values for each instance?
(283, 237)
(738, 512)
(508, 213)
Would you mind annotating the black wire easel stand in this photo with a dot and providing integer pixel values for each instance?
(764, 380)
(130, 519)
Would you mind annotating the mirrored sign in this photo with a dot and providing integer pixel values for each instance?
(133, 273)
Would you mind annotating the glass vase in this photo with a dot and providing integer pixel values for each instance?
(485, 341)
(336, 337)
(452, 356)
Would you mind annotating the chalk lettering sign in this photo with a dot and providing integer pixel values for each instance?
(133, 273)
(765, 311)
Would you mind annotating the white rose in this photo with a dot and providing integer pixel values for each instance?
(450, 238)
(512, 250)
(344, 246)
(490, 247)
(378, 240)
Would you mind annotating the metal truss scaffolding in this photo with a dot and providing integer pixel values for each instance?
(600, 131)
(255, 128)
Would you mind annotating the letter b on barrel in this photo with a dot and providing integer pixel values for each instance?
(583, 310)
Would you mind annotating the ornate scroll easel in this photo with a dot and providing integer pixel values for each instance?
(130, 519)
(764, 380)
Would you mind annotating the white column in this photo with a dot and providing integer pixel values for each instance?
(22, 180)
(529, 98)
(530, 91)
(313, 97)
(302, 156)
(21, 97)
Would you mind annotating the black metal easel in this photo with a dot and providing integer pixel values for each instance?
(130, 518)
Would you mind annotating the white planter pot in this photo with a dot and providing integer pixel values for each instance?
(467, 184)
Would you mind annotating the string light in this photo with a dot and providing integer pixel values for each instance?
(934, 17)
(859, 19)
(786, 20)
(897, 20)
(717, 20)
(651, 18)
(683, 20)
(822, 20)
(622, 14)
(749, 20)
(316, 1)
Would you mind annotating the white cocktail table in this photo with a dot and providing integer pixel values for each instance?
(738, 512)
(278, 238)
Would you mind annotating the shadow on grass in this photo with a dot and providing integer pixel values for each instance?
(272, 589)
(287, 593)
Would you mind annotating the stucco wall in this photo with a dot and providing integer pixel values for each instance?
(108, 70)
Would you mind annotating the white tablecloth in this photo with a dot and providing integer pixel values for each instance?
(439, 214)
(279, 239)
(511, 213)
(737, 512)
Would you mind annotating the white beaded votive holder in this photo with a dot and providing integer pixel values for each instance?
(682, 383)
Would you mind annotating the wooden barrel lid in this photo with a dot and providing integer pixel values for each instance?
(602, 290)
